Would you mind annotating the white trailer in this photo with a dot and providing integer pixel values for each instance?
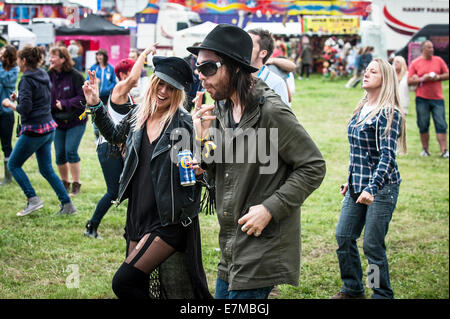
(394, 22)
(171, 18)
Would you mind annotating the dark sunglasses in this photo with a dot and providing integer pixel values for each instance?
(208, 68)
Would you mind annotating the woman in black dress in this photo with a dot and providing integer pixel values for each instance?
(162, 214)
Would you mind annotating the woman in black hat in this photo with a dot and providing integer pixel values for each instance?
(162, 214)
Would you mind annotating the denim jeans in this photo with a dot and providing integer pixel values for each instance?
(42, 146)
(112, 168)
(222, 292)
(375, 218)
(67, 143)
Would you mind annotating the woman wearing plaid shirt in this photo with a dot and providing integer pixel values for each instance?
(374, 131)
(37, 132)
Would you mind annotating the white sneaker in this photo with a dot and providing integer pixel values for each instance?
(445, 154)
(424, 153)
(33, 203)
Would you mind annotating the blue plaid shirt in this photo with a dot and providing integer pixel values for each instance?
(372, 153)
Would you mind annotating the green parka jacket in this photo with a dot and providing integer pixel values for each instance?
(288, 170)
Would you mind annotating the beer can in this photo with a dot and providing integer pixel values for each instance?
(187, 176)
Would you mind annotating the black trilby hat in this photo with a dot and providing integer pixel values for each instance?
(231, 41)
(174, 71)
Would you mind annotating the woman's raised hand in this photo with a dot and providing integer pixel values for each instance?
(91, 90)
(151, 49)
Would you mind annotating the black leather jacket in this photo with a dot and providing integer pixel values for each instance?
(176, 203)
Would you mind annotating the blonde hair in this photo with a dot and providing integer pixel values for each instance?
(387, 102)
(148, 106)
(403, 69)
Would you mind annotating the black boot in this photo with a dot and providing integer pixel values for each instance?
(91, 230)
(8, 176)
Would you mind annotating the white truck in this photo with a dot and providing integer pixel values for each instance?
(391, 24)
(172, 17)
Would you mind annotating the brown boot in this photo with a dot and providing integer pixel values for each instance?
(76, 188)
(66, 186)
(343, 295)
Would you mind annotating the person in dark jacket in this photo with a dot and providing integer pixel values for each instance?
(67, 98)
(8, 78)
(128, 71)
(162, 214)
(258, 197)
(37, 132)
(307, 59)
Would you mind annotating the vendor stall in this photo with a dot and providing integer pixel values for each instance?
(94, 33)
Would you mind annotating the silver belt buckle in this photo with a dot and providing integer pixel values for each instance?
(186, 223)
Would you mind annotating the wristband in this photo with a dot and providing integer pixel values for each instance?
(95, 107)
(202, 140)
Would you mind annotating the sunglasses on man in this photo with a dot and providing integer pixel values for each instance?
(208, 68)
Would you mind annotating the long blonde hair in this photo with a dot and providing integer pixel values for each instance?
(148, 106)
(387, 102)
(403, 69)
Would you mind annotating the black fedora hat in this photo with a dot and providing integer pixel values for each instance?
(231, 41)
(174, 71)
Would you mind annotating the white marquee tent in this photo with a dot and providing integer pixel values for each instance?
(187, 37)
(16, 32)
(277, 28)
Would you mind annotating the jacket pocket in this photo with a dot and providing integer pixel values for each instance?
(271, 230)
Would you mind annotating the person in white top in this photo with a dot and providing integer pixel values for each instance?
(263, 45)
(401, 70)
(138, 92)
(73, 49)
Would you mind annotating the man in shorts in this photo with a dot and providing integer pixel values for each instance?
(427, 72)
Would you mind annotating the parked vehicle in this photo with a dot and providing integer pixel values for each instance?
(436, 33)
(172, 17)
(391, 24)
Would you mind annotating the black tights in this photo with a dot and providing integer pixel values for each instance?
(132, 278)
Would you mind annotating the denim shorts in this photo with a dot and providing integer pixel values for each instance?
(437, 108)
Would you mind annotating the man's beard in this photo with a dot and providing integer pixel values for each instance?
(223, 93)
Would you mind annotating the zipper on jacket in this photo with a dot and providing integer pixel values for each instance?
(118, 201)
(171, 186)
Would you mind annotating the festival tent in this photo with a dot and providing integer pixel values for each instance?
(95, 33)
(18, 35)
(187, 37)
(277, 28)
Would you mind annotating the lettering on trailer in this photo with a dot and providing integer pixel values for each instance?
(421, 9)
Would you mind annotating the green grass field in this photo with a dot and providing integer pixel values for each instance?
(39, 253)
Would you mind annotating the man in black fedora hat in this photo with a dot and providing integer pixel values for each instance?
(258, 205)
